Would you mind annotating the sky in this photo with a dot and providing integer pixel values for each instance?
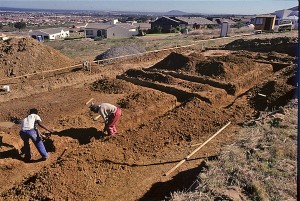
(245, 7)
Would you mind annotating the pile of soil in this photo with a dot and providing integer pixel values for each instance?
(21, 56)
(279, 44)
(152, 76)
(268, 56)
(118, 51)
(112, 86)
(226, 67)
(141, 99)
(176, 61)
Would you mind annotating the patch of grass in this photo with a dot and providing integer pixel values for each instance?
(262, 164)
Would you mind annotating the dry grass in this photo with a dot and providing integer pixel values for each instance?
(261, 165)
(88, 49)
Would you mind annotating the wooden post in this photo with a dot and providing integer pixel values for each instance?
(191, 154)
(90, 64)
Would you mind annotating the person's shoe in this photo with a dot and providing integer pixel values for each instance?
(43, 159)
(27, 160)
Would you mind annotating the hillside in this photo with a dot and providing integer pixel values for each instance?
(260, 165)
(170, 100)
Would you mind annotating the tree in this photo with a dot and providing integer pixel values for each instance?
(1, 25)
(20, 25)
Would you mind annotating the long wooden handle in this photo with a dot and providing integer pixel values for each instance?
(191, 154)
(97, 117)
(89, 101)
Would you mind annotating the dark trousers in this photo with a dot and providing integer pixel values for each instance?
(36, 139)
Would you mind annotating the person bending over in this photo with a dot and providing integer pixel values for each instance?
(29, 131)
(110, 115)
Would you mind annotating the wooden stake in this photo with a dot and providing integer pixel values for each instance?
(191, 154)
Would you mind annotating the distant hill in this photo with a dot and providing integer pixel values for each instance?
(294, 8)
(175, 13)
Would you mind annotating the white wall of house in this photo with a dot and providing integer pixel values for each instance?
(59, 35)
(112, 32)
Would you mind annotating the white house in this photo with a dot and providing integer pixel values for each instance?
(49, 34)
(110, 30)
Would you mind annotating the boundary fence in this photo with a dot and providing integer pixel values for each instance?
(115, 58)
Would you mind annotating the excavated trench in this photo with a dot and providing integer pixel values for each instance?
(218, 81)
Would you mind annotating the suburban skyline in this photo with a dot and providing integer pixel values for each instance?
(191, 6)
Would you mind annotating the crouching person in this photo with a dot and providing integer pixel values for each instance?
(30, 131)
(110, 115)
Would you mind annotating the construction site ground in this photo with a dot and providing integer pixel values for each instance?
(170, 100)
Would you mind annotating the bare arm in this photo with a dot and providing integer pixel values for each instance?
(44, 127)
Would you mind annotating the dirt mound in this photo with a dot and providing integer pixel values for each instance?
(225, 67)
(112, 86)
(120, 51)
(21, 56)
(176, 61)
(268, 56)
(138, 99)
(154, 76)
(279, 44)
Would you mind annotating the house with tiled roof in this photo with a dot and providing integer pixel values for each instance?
(195, 22)
(49, 34)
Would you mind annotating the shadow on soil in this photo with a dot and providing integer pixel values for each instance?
(83, 135)
(181, 182)
(11, 153)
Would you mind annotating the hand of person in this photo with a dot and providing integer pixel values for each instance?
(43, 136)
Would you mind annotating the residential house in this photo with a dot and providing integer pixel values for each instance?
(110, 30)
(167, 24)
(220, 21)
(49, 34)
(194, 22)
(145, 27)
(77, 30)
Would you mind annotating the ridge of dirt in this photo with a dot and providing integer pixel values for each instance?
(287, 45)
(113, 86)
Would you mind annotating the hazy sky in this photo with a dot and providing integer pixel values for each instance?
(192, 6)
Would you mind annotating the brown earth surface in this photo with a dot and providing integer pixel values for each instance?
(169, 100)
